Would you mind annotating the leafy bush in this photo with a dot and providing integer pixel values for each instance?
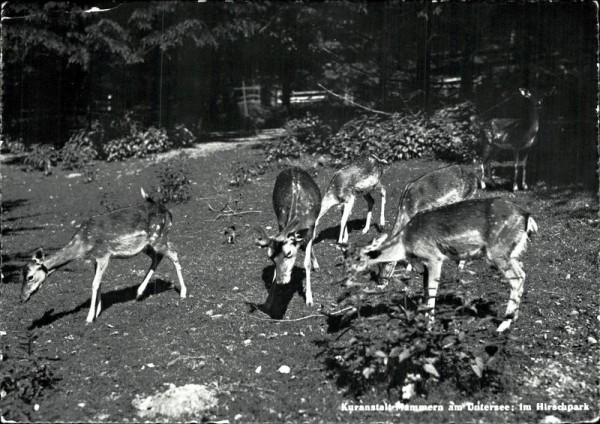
(175, 184)
(131, 141)
(12, 146)
(307, 134)
(181, 136)
(448, 135)
(81, 148)
(24, 377)
(389, 348)
(258, 115)
(42, 157)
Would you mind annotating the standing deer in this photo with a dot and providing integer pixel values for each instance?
(122, 233)
(437, 188)
(359, 178)
(493, 227)
(517, 135)
(296, 201)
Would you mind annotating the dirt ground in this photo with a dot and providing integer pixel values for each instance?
(217, 337)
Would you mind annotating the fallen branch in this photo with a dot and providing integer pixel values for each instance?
(185, 357)
(354, 103)
(226, 212)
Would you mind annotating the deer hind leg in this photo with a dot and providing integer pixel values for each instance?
(515, 275)
(96, 301)
(344, 222)
(383, 201)
(431, 279)
(307, 265)
(156, 258)
(524, 167)
(485, 164)
(370, 203)
(172, 255)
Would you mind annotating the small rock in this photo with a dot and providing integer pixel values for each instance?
(284, 369)
(568, 276)
(150, 365)
(592, 340)
(550, 419)
(574, 312)
(238, 417)
(81, 404)
(36, 407)
(258, 369)
(247, 342)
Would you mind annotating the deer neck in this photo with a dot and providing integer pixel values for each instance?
(534, 119)
(65, 255)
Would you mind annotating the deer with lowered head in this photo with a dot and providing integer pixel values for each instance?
(121, 233)
(356, 179)
(493, 228)
(296, 201)
(439, 187)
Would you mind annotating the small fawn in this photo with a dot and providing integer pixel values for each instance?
(122, 233)
(492, 227)
(296, 201)
(358, 178)
(437, 188)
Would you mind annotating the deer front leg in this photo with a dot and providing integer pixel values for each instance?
(307, 265)
(172, 255)
(516, 176)
(524, 167)
(515, 275)
(431, 278)
(370, 203)
(96, 301)
(156, 258)
(343, 238)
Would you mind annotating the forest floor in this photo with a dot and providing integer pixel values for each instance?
(217, 337)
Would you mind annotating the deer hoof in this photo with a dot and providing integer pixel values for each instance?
(515, 188)
(504, 326)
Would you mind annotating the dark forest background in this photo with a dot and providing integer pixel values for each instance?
(66, 65)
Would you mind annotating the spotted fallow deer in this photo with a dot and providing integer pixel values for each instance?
(121, 233)
(518, 135)
(296, 201)
(356, 179)
(493, 228)
(439, 187)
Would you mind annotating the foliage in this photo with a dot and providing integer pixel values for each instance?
(42, 157)
(132, 141)
(403, 356)
(242, 172)
(181, 136)
(175, 183)
(302, 135)
(12, 146)
(448, 135)
(82, 147)
(258, 115)
(25, 376)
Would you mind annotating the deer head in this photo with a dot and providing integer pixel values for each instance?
(281, 249)
(34, 274)
(357, 259)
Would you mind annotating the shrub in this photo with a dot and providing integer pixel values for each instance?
(175, 184)
(42, 157)
(302, 135)
(24, 377)
(81, 148)
(181, 136)
(12, 146)
(448, 135)
(135, 142)
(388, 347)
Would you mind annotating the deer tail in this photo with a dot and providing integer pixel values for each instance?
(531, 226)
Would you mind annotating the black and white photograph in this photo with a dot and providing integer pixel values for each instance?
(299, 211)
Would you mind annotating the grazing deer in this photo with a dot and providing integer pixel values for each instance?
(493, 227)
(296, 201)
(517, 135)
(437, 188)
(359, 178)
(122, 233)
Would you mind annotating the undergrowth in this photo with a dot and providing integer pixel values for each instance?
(24, 376)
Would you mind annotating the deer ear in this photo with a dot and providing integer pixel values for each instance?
(38, 256)
(261, 239)
(525, 92)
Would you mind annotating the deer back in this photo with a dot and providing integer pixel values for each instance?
(126, 231)
(440, 187)
(466, 229)
(356, 178)
(296, 197)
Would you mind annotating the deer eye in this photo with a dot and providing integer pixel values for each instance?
(29, 277)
